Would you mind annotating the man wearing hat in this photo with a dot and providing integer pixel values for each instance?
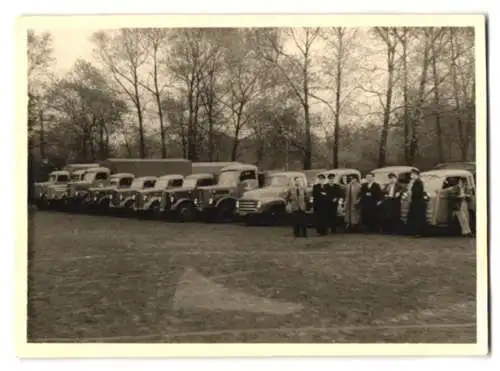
(392, 204)
(416, 213)
(321, 204)
(335, 193)
(371, 197)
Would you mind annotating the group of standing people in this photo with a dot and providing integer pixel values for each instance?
(374, 207)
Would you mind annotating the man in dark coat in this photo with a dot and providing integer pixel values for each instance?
(391, 209)
(371, 197)
(320, 205)
(335, 193)
(418, 204)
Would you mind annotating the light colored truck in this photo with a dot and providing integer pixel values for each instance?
(437, 186)
(122, 201)
(381, 175)
(267, 205)
(179, 203)
(218, 202)
(148, 201)
(43, 191)
(125, 168)
(98, 198)
(148, 166)
(77, 191)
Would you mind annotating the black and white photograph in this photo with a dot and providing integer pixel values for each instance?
(239, 183)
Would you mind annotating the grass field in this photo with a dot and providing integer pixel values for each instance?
(103, 279)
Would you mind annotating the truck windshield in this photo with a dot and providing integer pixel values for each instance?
(190, 182)
(162, 183)
(62, 178)
(278, 181)
(432, 182)
(89, 177)
(381, 177)
(137, 183)
(229, 178)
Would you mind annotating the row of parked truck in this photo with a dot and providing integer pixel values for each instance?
(181, 190)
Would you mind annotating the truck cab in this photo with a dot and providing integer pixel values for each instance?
(218, 202)
(381, 175)
(268, 204)
(437, 185)
(44, 192)
(123, 198)
(179, 203)
(149, 199)
(77, 191)
(99, 197)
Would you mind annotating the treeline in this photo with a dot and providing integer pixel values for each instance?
(280, 98)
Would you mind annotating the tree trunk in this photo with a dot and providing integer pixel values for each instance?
(307, 160)
(437, 114)
(142, 145)
(463, 141)
(406, 123)
(42, 134)
(388, 105)
(158, 102)
(420, 102)
(337, 110)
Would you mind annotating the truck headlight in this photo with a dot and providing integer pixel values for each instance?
(259, 204)
(121, 197)
(311, 199)
(195, 201)
(77, 193)
(172, 199)
(237, 204)
(210, 201)
(133, 197)
(145, 197)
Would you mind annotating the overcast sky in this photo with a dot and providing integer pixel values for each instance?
(69, 45)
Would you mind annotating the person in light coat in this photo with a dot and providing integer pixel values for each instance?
(352, 199)
(459, 196)
(297, 203)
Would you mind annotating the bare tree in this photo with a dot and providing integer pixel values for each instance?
(40, 56)
(123, 53)
(339, 41)
(389, 38)
(296, 69)
(157, 39)
(461, 93)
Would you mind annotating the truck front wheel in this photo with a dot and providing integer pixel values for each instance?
(186, 212)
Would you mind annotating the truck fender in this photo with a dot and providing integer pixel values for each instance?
(152, 201)
(224, 200)
(127, 201)
(180, 202)
(273, 203)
